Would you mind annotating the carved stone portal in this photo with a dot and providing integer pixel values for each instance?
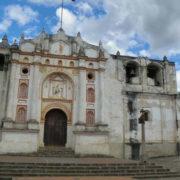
(58, 86)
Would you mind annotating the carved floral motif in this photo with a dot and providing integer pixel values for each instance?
(90, 95)
(23, 89)
(90, 117)
(21, 114)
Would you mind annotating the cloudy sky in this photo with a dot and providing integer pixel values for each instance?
(135, 27)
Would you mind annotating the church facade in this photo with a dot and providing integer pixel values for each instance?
(58, 90)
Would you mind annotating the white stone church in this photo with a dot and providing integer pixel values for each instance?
(59, 90)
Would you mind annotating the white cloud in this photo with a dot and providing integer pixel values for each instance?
(4, 25)
(21, 14)
(144, 53)
(69, 21)
(156, 22)
(48, 2)
(111, 46)
(31, 31)
(133, 43)
(84, 8)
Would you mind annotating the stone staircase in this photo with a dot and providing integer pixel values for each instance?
(53, 151)
(48, 151)
(136, 169)
(56, 151)
(61, 161)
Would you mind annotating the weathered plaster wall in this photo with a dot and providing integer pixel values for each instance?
(18, 141)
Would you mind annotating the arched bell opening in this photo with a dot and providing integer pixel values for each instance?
(154, 74)
(132, 72)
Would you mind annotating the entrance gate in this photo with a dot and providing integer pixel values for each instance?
(55, 128)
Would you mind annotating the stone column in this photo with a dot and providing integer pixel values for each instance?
(82, 96)
(100, 96)
(33, 94)
(4, 80)
(11, 94)
(82, 92)
(143, 73)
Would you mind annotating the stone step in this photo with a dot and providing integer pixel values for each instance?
(82, 173)
(134, 164)
(136, 169)
(78, 169)
(49, 151)
(5, 178)
(157, 176)
(56, 151)
(81, 167)
(55, 148)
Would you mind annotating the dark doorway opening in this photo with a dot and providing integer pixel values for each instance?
(2, 61)
(55, 128)
(135, 151)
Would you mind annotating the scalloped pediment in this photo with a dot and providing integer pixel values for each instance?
(27, 47)
(90, 52)
(60, 48)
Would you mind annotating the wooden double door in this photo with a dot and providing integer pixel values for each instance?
(55, 128)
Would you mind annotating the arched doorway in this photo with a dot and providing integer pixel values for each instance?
(55, 128)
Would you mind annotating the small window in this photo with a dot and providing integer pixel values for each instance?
(60, 63)
(71, 64)
(26, 60)
(47, 61)
(91, 65)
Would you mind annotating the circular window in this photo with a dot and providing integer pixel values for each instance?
(25, 71)
(90, 76)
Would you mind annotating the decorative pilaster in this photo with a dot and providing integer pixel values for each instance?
(100, 97)
(11, 94)
(34, 94)
(82, 96)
